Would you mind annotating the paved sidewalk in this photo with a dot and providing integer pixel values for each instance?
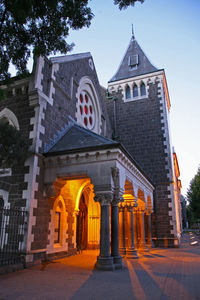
(160, 274)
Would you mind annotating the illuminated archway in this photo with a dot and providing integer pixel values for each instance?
(91, 209)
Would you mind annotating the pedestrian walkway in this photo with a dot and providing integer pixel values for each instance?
(163, 274)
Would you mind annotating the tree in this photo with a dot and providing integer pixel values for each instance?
(123, 4)
(193, 196)
(41, 27)
(13, 146)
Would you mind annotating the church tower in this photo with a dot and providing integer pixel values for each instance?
(139, 107)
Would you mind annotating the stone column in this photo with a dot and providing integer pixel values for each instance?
(142, 242)
(122, 248)
(115, 236)
(149, 237)
(135, 228)
(130, 249)
(104, 260)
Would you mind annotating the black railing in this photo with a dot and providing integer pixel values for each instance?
(13, 227)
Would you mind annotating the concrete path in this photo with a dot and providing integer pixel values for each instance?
(159, 274)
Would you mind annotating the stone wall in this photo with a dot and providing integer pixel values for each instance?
(17, 102)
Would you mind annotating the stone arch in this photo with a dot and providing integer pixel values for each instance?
(149, 204)
(58, 227)
(85, 185)
(141, 200)
(143, 91)
(128, 186)
(9, 116)
(87, 90)
(135, 90)
(127, 92)
(92, 223)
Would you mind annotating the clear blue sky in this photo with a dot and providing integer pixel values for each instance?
(169, 34)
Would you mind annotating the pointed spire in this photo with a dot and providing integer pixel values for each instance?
(133, 36)
(134, 62)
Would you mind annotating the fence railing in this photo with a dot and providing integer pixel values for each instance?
(13, 226)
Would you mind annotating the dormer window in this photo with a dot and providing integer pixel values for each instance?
(142, 89)
(135, 91)
(128, 92)
(133, 61)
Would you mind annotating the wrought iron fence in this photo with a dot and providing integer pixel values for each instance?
(13, 226)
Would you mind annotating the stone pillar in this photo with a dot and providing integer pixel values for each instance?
(130, 249)
(115, 236)
(135, 228)
(142, 242)
(104, 260)
(122, 248)
(149, 237)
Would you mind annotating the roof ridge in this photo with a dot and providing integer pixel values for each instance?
(66, 58)
(93, 133)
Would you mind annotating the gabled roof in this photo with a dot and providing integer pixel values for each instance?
(134, 63)
(79, 139)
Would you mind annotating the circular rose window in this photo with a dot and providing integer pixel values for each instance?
(86, 110)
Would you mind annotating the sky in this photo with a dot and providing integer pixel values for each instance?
(169, 34)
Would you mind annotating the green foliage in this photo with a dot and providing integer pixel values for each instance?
(123, 4)
(13, 146)
(41, 27)
(193, 196)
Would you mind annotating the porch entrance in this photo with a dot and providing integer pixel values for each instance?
(82, 225)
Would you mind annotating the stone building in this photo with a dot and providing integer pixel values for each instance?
(139, 114)
(100, 173)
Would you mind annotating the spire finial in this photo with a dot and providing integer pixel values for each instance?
(132, 32)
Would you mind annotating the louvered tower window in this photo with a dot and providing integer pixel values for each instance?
(133, 61)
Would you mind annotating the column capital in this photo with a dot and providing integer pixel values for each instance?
(104, 198)
(117, 198)
(130, 208)
(140, 210)
(121, 208)
(148, 212)
(75, 212)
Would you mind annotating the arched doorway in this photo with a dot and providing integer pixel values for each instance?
(82, 225)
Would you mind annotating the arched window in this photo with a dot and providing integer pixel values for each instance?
(142, 89)
(88, 112)
(57, 223)
(135, 91)
(128, 92)
(7, 116)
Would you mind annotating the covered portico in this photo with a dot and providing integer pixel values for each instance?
(98, 174)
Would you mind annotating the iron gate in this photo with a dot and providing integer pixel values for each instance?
(13, 226)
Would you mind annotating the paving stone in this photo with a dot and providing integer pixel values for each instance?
(160, 274)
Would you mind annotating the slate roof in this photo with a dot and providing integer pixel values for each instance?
(125, 70)
(78, 139)
(67, 58)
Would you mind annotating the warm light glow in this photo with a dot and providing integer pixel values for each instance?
(194, 243)
(82, 184)
(166, 92)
